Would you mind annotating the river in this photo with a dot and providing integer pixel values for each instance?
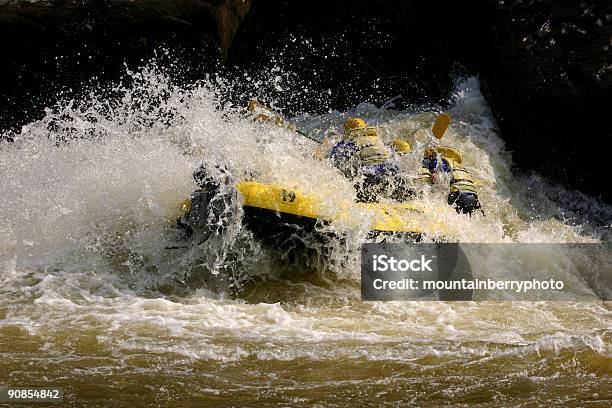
(92, 300)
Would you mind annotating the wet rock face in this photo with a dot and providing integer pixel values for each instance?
(548, 79)
(349, 51)
(51, 46)
(545, 67)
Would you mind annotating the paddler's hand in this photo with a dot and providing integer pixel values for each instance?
(435, 177)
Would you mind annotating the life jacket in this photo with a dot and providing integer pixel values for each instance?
(461, 181)
(463, 195)
(370, 149)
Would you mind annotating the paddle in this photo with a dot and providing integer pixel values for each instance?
(440, 125)
(266, 114)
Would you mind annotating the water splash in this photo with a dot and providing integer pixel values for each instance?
(88, 200)
(96, 183)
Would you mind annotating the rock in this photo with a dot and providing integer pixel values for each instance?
(545, 67)
(338, 54)
(60, 45)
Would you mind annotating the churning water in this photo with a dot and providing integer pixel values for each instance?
(92, 300)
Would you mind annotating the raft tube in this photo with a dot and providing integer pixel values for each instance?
(273, 211)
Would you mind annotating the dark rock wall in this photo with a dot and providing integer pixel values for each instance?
(49, 47)
(548, 79)
(545, 65)
(354, 51)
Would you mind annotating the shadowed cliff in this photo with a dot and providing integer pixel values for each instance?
(545, 66)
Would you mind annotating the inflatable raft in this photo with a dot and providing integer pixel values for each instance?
(276, 212)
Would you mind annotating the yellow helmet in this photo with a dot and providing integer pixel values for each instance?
(353, 124)
(400, 146)
(430, 153)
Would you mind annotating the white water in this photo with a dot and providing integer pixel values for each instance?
(84, 223)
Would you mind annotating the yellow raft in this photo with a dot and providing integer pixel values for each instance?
(385, 217)
(273, 211)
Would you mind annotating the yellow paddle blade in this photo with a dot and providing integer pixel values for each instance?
(265, 114)
(259, 109)
(450, 153)
(255, 104)
(323, 149)
(441, 125)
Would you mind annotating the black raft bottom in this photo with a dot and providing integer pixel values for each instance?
(276, 228)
